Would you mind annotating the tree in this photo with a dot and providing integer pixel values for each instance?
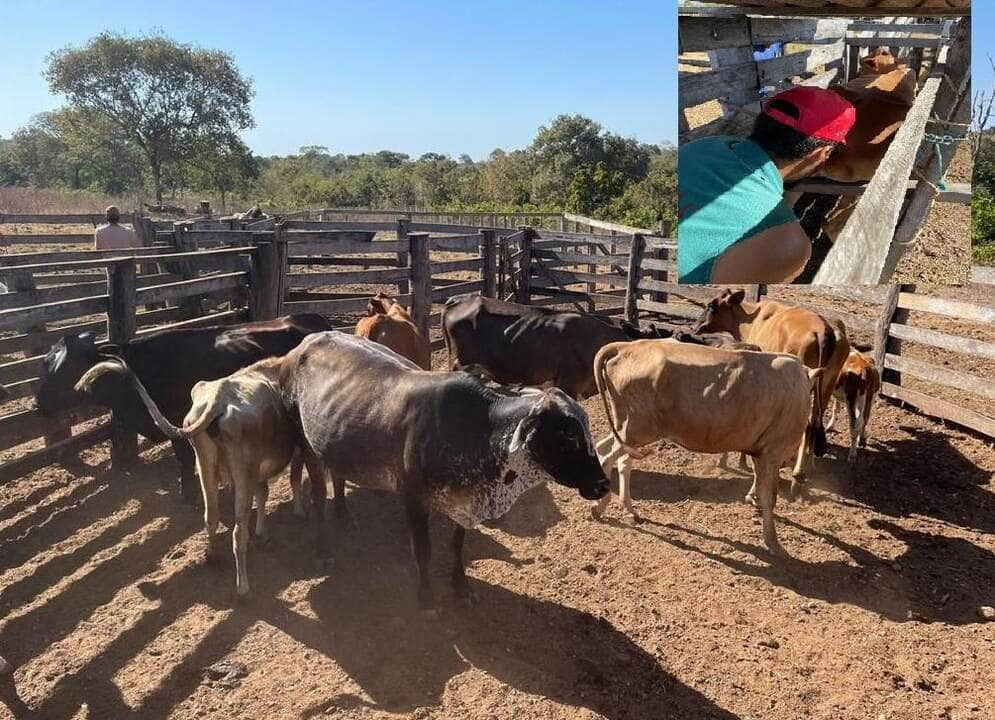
(166, 97)
(224, 168)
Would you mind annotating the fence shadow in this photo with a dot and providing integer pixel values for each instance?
(923, 473)
(909, 588)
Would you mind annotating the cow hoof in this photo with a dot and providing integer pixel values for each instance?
(750, 499)
(241, 596)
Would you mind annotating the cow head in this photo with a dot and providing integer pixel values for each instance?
(63, 366)
(879, 62)
(723, 313)
(556, 436)
(652, 331)
(379, 304)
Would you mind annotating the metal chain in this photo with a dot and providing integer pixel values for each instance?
(945, 139)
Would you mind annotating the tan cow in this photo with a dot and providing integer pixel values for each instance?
(881, 102)
(777, 327)
(858, 385)
(241, 435)
(706, 400)
(389, 324)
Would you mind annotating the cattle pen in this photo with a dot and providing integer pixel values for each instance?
(106, 611)
(734, 54)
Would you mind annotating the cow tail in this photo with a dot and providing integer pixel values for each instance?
(118, 367)
(601, 360)
(827, 346)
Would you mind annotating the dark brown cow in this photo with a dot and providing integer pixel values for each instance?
(776, 327)
(168, 363)
(517, 344)
(443, 441)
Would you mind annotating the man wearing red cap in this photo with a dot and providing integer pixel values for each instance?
(734, 225)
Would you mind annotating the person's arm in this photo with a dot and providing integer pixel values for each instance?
(776, 255)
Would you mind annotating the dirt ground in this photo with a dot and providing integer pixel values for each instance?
(941, 253)
(107, 611)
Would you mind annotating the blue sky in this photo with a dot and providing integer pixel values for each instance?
(447, 76)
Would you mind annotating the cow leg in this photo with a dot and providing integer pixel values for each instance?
(608, 452)
(421, 547)
(207, 468)
(802, 461)
(188, 481)
(832, 414)
(296, 476)
(766, 483)
(339, 507)
(261, 495)
(867, 405)
(319, 494)
(240, 533)
(853, 410)
(460, 585)
(624, 480)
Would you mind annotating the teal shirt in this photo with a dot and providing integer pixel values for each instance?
(728, 190)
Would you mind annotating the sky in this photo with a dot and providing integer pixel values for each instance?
(448, 76)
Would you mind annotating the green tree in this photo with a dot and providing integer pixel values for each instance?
(166, 97)
(222, 168)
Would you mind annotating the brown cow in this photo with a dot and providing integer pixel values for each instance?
(879, 62)
(776, 327)
(859, 383)
(882, 101)
(706, 400)
(389, 324)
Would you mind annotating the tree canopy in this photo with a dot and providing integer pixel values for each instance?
(166, 97)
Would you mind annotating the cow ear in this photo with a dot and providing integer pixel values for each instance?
(737, 297)
(523, 433)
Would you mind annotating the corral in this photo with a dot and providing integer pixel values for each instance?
(107, 612)
(723, 76)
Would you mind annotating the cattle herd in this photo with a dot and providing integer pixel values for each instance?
(241, 403)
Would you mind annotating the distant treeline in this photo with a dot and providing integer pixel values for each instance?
(150, 117)
(983, 201)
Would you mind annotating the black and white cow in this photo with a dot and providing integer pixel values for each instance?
(443, 441)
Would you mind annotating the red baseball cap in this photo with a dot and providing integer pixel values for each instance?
(821, 113)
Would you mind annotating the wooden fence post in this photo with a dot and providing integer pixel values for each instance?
(265, 283)
(883, 342)
(632, 282)
(523, 291)
(402, 257)
(421, 280)
(121, 326)
(592, 287)
(488, 269)
(190, 307)
(755, 292)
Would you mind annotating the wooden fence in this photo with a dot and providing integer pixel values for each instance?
(895, 203)
(628, 284)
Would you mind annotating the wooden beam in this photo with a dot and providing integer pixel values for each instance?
(941, 375)
(941, 409)
(968, 346)
(951, 308)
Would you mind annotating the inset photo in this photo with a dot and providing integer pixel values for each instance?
(824, 143)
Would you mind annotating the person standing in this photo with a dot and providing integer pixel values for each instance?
(111, 236)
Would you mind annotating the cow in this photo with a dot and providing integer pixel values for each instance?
(240, 434)
(706, 400)
(443, 441)
(388, 323)
(776, 327)
(168, 363)
(859, 383)
(878, 62)
(881, 102)
(516, 344)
